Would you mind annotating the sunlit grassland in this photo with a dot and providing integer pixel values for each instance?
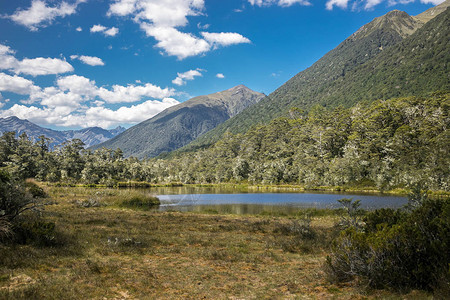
(105, 250)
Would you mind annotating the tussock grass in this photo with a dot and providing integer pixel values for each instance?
(116, 253)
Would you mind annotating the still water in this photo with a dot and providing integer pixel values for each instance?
(250, 202)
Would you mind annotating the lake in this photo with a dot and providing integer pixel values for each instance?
(242, 201)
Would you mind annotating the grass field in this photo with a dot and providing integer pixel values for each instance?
(102, 250)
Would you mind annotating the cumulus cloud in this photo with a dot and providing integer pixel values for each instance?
(161, 20)
(435, 2)
(89, 60)
(78, 85)
(42, 66)
(77, 101)
(224, 38)
(282, 3)
(220, 75)
(133, 93)
(34, 66)
(176, 43)
(40, 15)
(165, 13)
(105, 117)
(370, 4)
(17, 84)
(339, 3)
(105, 30)
(189, 75)
(79, 29)
(86, 117)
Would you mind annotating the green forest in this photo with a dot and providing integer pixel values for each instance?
(383, 144)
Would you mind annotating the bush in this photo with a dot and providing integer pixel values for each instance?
(35, 190)
(139, 201)
(396, 249)
(37, 232)
(14, 199)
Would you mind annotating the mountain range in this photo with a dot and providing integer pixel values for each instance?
(394, 55)
(180, 124)
(90, 136)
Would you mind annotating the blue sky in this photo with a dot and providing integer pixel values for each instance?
(79, 63)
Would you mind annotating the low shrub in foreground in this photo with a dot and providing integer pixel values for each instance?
(400, 250)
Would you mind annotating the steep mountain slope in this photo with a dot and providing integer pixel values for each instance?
(432, 12)
(394, 55)
(90, 136)
(182, 123)
(32, 130)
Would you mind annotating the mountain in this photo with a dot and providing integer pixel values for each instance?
(90, 136)
(93, 135)
(182, 123)
(394, 55)
(432, 12)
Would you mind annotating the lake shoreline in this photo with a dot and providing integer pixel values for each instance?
(258, 187)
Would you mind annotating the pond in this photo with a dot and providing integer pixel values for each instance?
(242, 201)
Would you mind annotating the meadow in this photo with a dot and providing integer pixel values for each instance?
(103, 249)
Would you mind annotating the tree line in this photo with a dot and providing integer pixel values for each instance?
(384, 144)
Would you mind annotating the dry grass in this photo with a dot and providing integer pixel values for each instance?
(118, 253)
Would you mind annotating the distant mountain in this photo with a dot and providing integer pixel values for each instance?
(182, 123)
(90, 136)
(394, 55)
(93, 135)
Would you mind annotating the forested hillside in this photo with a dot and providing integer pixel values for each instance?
(182, 123)
(392, 56)
(383, 144)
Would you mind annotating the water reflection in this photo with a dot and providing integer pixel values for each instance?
(243, 202)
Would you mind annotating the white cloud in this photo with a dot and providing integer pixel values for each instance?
(112, 31)
(98, 28)
(89, 60)
(370, 4)
(282, 3)
(42, 66)
(40, 15)
(133, 93)
(57, 116)
(105, 30)
(339, 3)
(435, 2)
(79, 29)
(104, 117)
(160, 19)
(122, 7)
(164, 13)
(176, 43)
(220, 75)
(189, 75)
(34, 66)
(86, 117)
(16, 84)
(224, 38)
(204, 27)
(77, 85)
(77, 101)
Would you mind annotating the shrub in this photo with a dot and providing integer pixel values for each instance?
(35, 190)
(36, 232)
(139, 201)
(395, 249)
(14, 199)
